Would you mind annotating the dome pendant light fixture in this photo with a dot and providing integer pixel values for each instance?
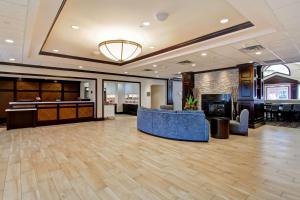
(120, 50)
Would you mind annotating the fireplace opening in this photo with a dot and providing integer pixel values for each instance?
(216, 105)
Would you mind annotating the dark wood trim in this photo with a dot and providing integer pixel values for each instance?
(215, 70)
(76, 70)
(53, 23)
(215, 34)
(111, 80)
(203, 38)
(59, 55)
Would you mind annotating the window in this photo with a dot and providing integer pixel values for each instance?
(281, 69)
(278, 93)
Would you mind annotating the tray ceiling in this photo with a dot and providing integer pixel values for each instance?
(101, 20)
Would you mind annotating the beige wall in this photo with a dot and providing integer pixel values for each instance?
(145, 82)
(157, 96)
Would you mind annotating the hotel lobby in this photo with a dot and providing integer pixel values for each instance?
(131, 99)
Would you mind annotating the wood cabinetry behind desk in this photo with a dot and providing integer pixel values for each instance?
(16, 89)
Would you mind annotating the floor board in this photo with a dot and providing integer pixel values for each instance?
(112, 160)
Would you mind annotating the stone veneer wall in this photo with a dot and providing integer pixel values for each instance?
(217, 82)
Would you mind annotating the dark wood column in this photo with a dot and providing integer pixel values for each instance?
(188, 84)
(170, 92)
(251, 93)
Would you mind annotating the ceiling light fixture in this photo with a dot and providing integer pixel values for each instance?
(75, 27)
(156, 72)
(9, 41)
(258, 53)
(179, 72)
(155, 65)
(125, 72)
(193, 65)
(204, 54)
(224, 21)
(12, 59)
(80, 67)
(55, 50)
(152, 47)
(120, 50)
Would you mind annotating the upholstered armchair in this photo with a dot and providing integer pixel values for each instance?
(240, 126)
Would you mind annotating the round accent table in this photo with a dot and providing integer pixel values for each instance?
(219, 127)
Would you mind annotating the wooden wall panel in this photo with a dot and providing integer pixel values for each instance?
(47, 114)
(67, 113)
(74, 86)
(50, 96)
(51, 86)
(85, 112)
(7, 84)
(5, 97)
(27, 85)
(71, 96)
(26, 96)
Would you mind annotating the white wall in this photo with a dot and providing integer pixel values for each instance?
(145, 82)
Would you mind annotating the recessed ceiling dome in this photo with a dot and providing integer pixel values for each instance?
(162, 16)
(120, 50)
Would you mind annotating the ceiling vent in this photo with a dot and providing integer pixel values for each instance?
(252, 49)
(272, 62)
(185, 62)
(147, 70)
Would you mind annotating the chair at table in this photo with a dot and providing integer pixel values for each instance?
(286, 112)
(268, 111)
(296, 111)
(240, 126)
(274, 112)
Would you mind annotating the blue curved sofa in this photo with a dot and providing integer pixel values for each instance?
(178, 125)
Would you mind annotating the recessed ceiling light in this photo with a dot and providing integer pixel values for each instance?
(55, 50)
(80, 67)
(204, 54)
(75, 27)
(258, 53)
(125, 72)
(224, 21)
(144, 24)
(179, 72)
(193, 65)
(156, 72)
(152, 47)
(250, 61)
(9, 41)
(155, 65)
(12, 59)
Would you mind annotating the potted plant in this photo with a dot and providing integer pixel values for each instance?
(191, 103)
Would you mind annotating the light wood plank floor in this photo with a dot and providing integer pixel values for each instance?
(112, 160)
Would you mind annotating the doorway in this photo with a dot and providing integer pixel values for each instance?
(120, 97)
(158, 96)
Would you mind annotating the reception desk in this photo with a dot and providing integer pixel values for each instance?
(50, 113)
